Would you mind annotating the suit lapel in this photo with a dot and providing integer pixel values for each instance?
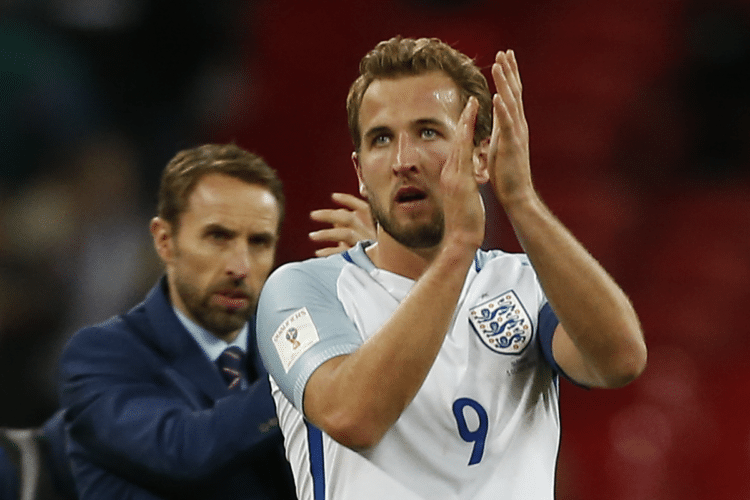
(180, 349)
(255, 368)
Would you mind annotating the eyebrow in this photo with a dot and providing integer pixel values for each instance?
(215, 226)
(260, 234)
(264, 237)
(431, 121)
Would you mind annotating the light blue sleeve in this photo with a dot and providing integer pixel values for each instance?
(310, 286)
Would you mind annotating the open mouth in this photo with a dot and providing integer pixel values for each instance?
(410, 194)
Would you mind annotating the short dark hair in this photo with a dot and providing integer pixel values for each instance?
(187, 167)
(399, 57)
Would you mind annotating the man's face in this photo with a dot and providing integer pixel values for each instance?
(222, 253)
(408, 125)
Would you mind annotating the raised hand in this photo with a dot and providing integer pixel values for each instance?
(463, 208)
(508, 156)
(348, 225)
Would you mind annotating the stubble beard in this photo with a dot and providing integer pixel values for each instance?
(210, 316)
(410, 234)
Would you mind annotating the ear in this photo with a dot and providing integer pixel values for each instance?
(161, 232)
(481, 162)
(358, 169)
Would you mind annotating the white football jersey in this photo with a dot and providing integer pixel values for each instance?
(485, 423)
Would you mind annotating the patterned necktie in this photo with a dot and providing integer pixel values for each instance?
(231, 364)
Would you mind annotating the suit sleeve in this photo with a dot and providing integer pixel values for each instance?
(128, 415)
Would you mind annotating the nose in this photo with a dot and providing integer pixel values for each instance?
(238, 261)
(406, 153)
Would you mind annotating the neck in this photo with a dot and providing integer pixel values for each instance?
(227, 337)
(390, 255)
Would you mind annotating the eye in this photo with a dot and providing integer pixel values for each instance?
(381, 140)
(261, 241)
(218, 235)
(428, 133)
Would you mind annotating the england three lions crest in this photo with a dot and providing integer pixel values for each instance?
(502, 323)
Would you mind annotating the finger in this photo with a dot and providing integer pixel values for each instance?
(350, 201)
(503, 87)
(502, 121)
(514, 67)
(513, 76)
(465, 136)
(507, 60)
(336, 234)
(508, 81)
(333, 216)
(468, 119)
(325, 252)
(507, 106)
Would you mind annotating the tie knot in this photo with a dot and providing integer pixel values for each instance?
(231, 364)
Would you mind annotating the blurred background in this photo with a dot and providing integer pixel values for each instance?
(640, 139)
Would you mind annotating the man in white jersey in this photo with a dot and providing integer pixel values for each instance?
(417, 366)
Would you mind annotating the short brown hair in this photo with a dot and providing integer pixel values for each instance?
(188, 166)
(408, 57)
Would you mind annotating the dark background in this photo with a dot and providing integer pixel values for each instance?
(639, 136)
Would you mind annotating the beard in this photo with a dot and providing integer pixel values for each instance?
(410, 234)
(212, 317)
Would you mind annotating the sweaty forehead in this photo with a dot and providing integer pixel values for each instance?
(429, 95)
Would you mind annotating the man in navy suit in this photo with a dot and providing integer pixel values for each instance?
(148, 413)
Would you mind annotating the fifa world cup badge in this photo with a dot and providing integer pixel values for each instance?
(294, 336)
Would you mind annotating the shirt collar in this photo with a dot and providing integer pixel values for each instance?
(210, 343)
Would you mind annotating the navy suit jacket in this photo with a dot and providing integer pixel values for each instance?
(149, 416)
